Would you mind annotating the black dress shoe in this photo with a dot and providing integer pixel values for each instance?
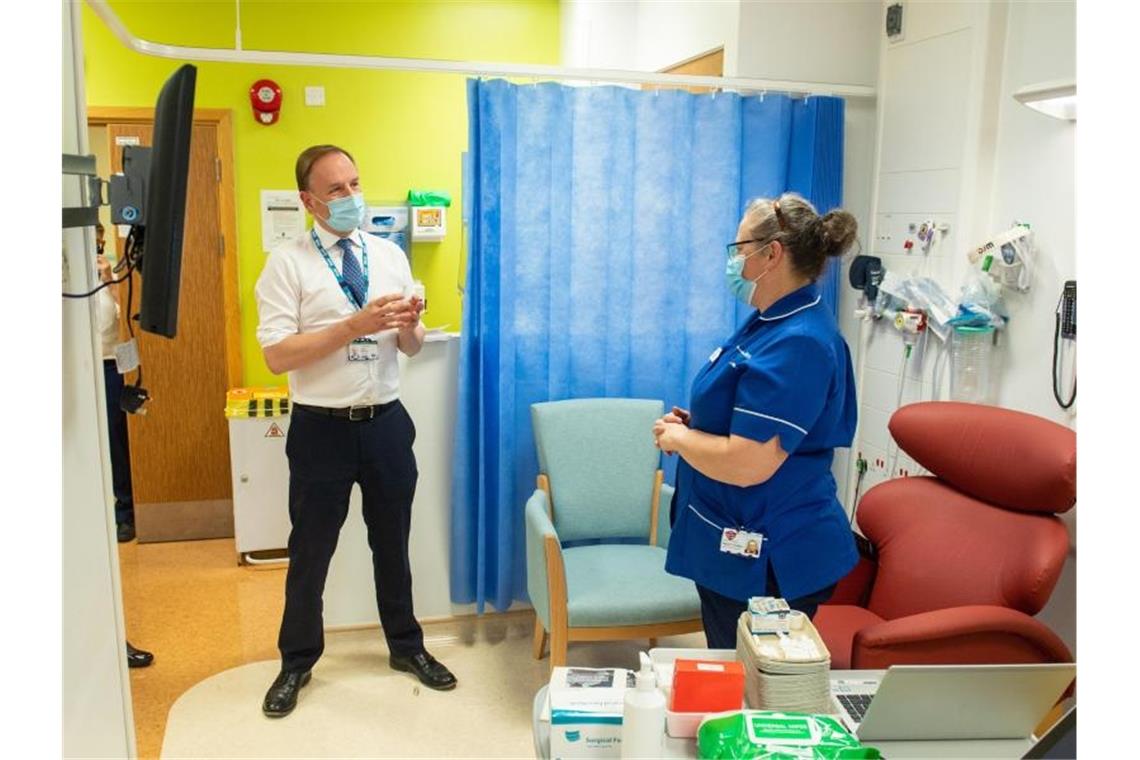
(430, 671)
(126, 532)
(138, 658)
(282, 695)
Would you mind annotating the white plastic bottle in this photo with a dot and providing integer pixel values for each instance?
(643, 718)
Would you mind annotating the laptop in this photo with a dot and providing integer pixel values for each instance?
(932, 702)
(1059, 742)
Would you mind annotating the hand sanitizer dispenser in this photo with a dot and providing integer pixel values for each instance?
(643, 718)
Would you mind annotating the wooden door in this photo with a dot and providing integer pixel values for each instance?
(707, 65)
(180, 460)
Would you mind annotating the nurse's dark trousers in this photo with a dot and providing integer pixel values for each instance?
(326, 456)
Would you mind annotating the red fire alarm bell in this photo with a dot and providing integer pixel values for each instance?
(265, 97)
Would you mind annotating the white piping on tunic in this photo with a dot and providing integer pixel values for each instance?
(790, 313)
(769, 417)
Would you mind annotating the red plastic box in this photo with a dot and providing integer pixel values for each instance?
(707, 686)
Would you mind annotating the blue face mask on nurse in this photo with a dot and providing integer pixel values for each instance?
(755, 511)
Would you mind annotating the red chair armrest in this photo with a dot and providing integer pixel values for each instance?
(855, 587)
(976, 634)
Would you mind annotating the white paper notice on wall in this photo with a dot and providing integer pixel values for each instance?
(282, 217)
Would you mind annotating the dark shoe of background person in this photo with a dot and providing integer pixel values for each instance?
(126, 532)
(138, 658)
(430, 671)
(282, 695)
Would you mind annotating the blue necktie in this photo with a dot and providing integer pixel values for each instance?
(350, 271)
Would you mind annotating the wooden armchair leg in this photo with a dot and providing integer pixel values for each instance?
(558, 643)
(539, 638)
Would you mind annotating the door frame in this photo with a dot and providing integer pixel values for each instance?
(222, 120)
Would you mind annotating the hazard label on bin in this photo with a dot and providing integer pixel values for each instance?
(274, 431)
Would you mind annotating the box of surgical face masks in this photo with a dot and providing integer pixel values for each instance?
(586, 711)
(584, 735)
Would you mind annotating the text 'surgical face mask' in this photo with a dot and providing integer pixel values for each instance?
(347, 213)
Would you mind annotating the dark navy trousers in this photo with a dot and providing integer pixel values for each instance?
(120, 445)
(327, 455)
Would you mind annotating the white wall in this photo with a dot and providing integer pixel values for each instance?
(599, 34)
(671, 31)
(819, 41)
(97, 720)
(954, 145)
(930, 123)
(1034, 179)
(647, 35)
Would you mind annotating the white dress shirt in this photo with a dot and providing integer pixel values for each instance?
(297, 293)
(107, 321)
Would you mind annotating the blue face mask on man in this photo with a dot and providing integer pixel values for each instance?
(347, 213)
(743, 289)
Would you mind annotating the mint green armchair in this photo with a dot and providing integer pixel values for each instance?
(600, 479)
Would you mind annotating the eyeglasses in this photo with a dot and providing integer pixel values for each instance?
(733, 249)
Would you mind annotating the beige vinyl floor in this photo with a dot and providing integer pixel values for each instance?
(212, 626)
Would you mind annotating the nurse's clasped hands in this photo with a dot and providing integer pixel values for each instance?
(670, 428)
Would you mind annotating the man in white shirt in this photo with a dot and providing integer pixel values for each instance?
(334, 306)
(107, 321)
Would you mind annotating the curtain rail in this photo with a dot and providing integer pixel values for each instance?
(537, 71)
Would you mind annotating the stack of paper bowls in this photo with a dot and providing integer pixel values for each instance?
(776, 683)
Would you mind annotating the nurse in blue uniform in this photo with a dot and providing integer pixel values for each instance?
(755, 511)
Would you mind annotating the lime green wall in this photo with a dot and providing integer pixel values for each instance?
(404, 129)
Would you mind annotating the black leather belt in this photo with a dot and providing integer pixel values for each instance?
(359, 413)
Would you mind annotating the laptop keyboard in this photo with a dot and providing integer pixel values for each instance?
(855, 704)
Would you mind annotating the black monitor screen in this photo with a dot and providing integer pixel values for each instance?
(166, 203)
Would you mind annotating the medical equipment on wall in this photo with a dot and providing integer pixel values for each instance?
(971, 357)
(429, 214)
(389, 222)
(429, 223)
(1065, 330)
(926, 233)
(865, 274)
(1008, 257)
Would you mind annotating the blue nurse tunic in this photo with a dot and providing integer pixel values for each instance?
(786, 372)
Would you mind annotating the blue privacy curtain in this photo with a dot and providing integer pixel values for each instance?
(599, 217)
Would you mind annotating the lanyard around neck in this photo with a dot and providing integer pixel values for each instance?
(340, 277)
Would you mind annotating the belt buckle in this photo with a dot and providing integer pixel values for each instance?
(352, 412)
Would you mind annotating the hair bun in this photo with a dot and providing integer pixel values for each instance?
(837, 231)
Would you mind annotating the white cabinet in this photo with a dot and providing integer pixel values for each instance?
(260, 473)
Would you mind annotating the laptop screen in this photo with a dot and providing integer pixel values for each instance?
(1060, 741)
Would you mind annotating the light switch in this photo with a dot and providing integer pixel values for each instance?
(314, 96)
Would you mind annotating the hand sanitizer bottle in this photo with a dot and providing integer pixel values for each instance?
(643, 719)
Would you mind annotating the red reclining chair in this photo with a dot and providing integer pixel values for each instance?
(958, 563)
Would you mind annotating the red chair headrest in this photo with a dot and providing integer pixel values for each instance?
(1007, 458)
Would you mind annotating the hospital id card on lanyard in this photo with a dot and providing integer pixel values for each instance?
(361, 349)
(741, 543)
(736, 541)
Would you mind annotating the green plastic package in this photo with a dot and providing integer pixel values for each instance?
(429, 198)
(767, 735)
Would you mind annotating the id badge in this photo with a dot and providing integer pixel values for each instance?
(363, 350)
(127, 356)
(741, 543)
